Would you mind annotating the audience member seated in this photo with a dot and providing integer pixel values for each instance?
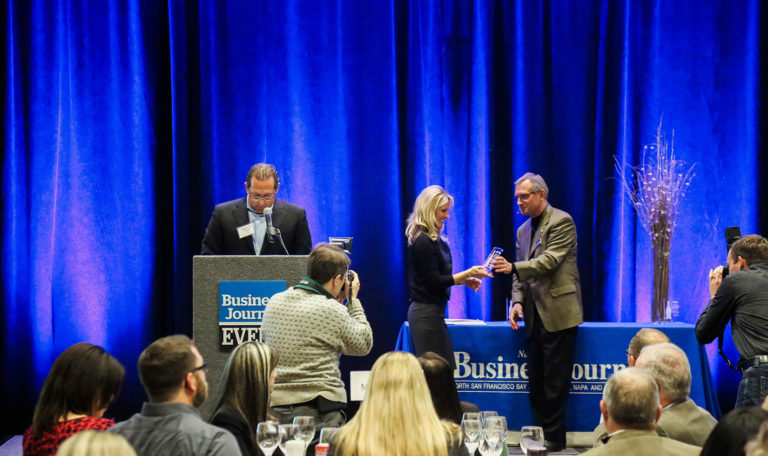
(95, 443)
(642, 338)
(442, 387)
(81, 384)
(630, 409)
(397, 415)
(173, 374)
(759, 445)
(733, 431)
(681, 419)
(249, 377)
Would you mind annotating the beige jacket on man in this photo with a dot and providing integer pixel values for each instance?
(643, 443)
(547, 275)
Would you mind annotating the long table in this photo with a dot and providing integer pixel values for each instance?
(491, 368)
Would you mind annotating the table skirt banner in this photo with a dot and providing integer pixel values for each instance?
(491, 369)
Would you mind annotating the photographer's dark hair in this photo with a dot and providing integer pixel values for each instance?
(733, 431)
(752, 247)
(326, 261)
(83, 380)
(442, 386)
(163, 366)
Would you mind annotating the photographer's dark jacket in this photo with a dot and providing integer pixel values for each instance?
(743, 299)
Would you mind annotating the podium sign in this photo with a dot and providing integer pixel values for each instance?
(241, 309)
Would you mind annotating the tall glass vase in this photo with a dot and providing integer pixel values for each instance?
(660, 277)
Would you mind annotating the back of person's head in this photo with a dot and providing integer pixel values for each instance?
(326, 261)
(645, 337)
(163, 366)
(95, 443)
(397, 403)
(422, 219)
(668, 365)
(752, 247)
(84, 379)
(632, 399)
(442, 386)
(733, 431)
(759, 445)
(246, 381)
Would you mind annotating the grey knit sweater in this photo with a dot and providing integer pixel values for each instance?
(310, 332)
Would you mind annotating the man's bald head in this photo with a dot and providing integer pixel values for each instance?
(643, 338)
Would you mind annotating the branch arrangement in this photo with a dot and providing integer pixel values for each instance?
(655, 188)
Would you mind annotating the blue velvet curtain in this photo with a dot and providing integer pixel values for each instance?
(124, 122)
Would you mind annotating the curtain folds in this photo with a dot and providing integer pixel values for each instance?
(125, 122)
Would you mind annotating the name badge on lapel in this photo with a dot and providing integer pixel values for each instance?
(245, 230)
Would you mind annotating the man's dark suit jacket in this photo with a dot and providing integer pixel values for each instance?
(221, 236)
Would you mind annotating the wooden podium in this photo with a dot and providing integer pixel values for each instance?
(207, 272)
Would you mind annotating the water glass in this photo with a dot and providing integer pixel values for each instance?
(289, 439)
(305, 428)
(327, 434)
(492, 442)
(267, 437)
(470, 429)
(531, 437)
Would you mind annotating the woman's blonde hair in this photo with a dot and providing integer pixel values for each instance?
(95, 443)
(245, 383)
(422, 219)
(397, 417)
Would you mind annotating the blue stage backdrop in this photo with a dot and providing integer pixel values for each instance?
(124, 122)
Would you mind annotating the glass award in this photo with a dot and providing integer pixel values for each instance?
(495, 252)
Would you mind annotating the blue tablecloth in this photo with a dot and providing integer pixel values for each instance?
(491, 368)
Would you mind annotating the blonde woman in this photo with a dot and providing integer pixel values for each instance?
(249, 377)
(397, 417)
(430, 273)
(96, 443)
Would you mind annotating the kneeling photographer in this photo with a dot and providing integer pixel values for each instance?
(742, 298)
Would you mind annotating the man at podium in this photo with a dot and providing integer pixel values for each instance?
(259, 223)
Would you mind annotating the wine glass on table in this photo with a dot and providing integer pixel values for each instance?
(290, 444)
(470, 416)
(470, 430)
(532, 440)
(491, 442)
(305, 429)
(267, 437)
(497, 422)
(485, 414)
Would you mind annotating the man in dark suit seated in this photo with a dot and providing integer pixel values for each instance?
(630, 409)
(240, 227)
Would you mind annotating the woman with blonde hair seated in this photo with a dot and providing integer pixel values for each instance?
(397, 416)
(96, 443)
(249, 377)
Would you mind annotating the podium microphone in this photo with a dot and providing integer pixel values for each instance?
(271, 232)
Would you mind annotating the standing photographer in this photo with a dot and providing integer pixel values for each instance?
(742, 298)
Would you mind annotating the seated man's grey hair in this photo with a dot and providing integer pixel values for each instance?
(669, 366)
(632, 398)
